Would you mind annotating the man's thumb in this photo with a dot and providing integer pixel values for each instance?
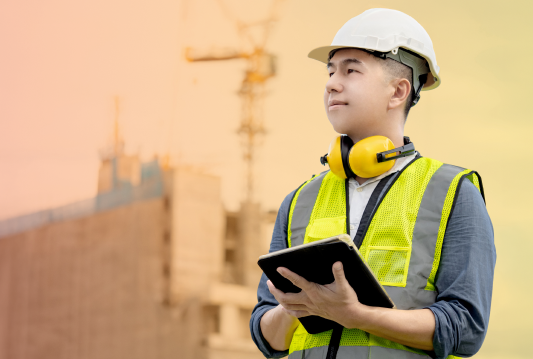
(338, 272)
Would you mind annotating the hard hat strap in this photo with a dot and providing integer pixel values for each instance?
(422, 80)
(416, 96)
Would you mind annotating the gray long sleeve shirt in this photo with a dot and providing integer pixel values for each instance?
(463, 281)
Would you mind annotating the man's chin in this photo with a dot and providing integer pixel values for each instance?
(341, 127)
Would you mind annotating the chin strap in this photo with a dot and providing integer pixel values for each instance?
(416, 97)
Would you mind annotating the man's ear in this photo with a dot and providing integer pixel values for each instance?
(402, 90)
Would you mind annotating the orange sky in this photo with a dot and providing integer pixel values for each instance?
(63, 62)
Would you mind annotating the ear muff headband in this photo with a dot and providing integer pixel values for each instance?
(346, 146)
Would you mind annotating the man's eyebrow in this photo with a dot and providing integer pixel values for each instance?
(345, 62)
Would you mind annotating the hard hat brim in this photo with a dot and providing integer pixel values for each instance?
(322, 53)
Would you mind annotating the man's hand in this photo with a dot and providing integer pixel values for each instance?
(336, 301)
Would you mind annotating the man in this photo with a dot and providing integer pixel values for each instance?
(421, 225)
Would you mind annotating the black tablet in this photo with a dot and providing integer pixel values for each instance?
(314, 262)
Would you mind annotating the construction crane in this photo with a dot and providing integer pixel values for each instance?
(260, 67)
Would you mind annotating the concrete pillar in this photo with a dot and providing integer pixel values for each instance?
(197, 230)
(230, 321)
(250, 243)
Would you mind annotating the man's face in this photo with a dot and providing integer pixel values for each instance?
(357, 93)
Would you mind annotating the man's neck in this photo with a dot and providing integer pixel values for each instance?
(395, 136)
(360, 180)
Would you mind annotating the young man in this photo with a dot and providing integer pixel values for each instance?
(421, 225)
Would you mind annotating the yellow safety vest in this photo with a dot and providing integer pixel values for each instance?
(402, 245)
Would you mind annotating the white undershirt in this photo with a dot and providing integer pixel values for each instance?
(360, 193)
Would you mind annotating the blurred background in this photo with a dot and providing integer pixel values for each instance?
(145, 148)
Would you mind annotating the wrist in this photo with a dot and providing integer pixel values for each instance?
(285, 316)
(359, 316)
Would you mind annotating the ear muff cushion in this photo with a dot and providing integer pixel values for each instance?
(346, 146)
(334, 158)
(363, 159)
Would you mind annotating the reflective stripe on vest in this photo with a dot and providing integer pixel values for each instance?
(352, 352)
(402, 244)
(305, 199)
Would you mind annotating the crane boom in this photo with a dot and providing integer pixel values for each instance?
(191, 57)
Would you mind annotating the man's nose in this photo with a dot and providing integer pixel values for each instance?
(333, 84)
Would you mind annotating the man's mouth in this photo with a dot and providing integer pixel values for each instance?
(333, 104)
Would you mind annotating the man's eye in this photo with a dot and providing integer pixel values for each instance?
(331, 74)
(351, 70)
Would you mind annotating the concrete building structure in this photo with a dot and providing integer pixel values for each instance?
(152, 267)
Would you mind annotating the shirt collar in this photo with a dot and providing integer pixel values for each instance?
(398, 166)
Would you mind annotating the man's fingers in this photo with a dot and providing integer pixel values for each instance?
(272, 288)
(295, 279)
(338, 273)
(286, 298)
(278, 294)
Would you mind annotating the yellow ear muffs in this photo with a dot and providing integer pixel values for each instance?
(337, 157)
(368, 158)
(363, 157)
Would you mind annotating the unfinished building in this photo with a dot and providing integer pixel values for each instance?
(152, 267)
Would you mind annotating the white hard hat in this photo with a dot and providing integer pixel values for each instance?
(385, 32)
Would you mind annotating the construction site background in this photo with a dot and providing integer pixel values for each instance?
(157, 270)
(149, 249)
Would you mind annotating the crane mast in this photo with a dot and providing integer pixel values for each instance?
(260, 67)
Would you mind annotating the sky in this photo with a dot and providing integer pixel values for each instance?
(63, 63)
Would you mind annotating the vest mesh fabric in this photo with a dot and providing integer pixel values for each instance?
(376, 341)
(474, 179)
(387, 243)
(328, 218)
(354, 337)
(302, 340)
